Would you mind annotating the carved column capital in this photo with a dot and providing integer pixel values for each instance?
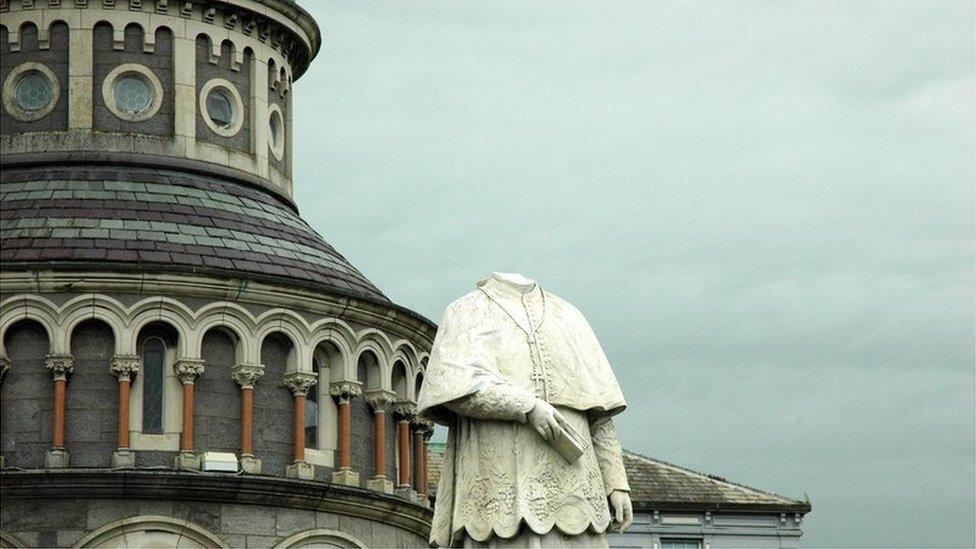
(380, 399)
(345, 389)
(404, 409)
(423, 427)
(59, 366)
(246, 375)
(188, 369)
(300, 382)
(4, 367)
(125, 366)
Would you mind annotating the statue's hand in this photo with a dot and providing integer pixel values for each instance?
(623, 510)
(543, 419)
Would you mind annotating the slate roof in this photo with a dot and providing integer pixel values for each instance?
(142, 218)
(658, 485)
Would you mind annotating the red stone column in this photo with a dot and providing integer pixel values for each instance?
(418, 456)
(247, 375)
(380, 400)
(405, 411)
(300, 383)
(344, 392)
(59, 366)
(124, 367)
(188, 370)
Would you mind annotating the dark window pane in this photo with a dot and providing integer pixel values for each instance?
(219, 107)
(311, 424)
(153, 355)
(312, 411)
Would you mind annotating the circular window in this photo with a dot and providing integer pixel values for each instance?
(221, 107)
(276, 132)
(30, 91)
(33, 91)
(132, 92)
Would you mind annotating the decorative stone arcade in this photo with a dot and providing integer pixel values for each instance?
(163, 305)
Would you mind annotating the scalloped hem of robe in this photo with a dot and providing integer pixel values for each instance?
(551, 539)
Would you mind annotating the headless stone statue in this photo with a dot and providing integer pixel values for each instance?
(517, 374)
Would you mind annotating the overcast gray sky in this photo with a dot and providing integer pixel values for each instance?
(765, 210)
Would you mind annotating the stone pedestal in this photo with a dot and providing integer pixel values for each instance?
(406, 493)
(381, 484)
(300, 470)
(123, 458)
(346, 477)
(250, 465)
(188, 461)
(56, 458)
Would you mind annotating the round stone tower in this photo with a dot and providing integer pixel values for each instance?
(184, 360)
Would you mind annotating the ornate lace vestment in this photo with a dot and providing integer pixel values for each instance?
(498, 472)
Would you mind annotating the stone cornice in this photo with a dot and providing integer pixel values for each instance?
(188, 369)
(59, 366)
(215, 487)
(385, 316)
(124, 367)
(281, 24)
(300, 382)
(246, 375)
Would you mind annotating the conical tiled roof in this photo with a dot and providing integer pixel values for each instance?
(106, 218)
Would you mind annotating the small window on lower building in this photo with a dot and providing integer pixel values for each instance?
(680, 543)
(153, 357)
(312, 411)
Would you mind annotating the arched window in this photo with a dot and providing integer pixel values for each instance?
(153, 358)
(312, 410)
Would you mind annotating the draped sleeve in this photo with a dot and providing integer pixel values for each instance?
(462, 365)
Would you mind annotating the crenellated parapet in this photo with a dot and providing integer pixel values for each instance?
(201, 86)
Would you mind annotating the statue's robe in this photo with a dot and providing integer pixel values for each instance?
(497, 350)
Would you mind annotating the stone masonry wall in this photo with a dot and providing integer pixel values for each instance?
(64, 522)
(91, 408)
(28, 397)
(218, 397)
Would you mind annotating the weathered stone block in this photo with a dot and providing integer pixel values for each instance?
(247, 519)
(123, 459)
(346, 477)
(188, 461)
(56, 458)
(289, 521)
(300, 469)
(380, 484)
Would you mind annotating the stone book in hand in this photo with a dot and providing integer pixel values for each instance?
(570, 444)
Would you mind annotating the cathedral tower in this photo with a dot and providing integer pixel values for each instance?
(183, 356)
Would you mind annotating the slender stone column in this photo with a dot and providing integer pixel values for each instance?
(59, 366)
(124, 367)
(416, 430)
(300, 383)
(344, 392)
(404, 411)
(246, 375)
(426, 431)
(4, 368)
(188, 370)
(380, 400)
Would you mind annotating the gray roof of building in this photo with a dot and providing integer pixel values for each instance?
(658, 485)
(139, 218)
